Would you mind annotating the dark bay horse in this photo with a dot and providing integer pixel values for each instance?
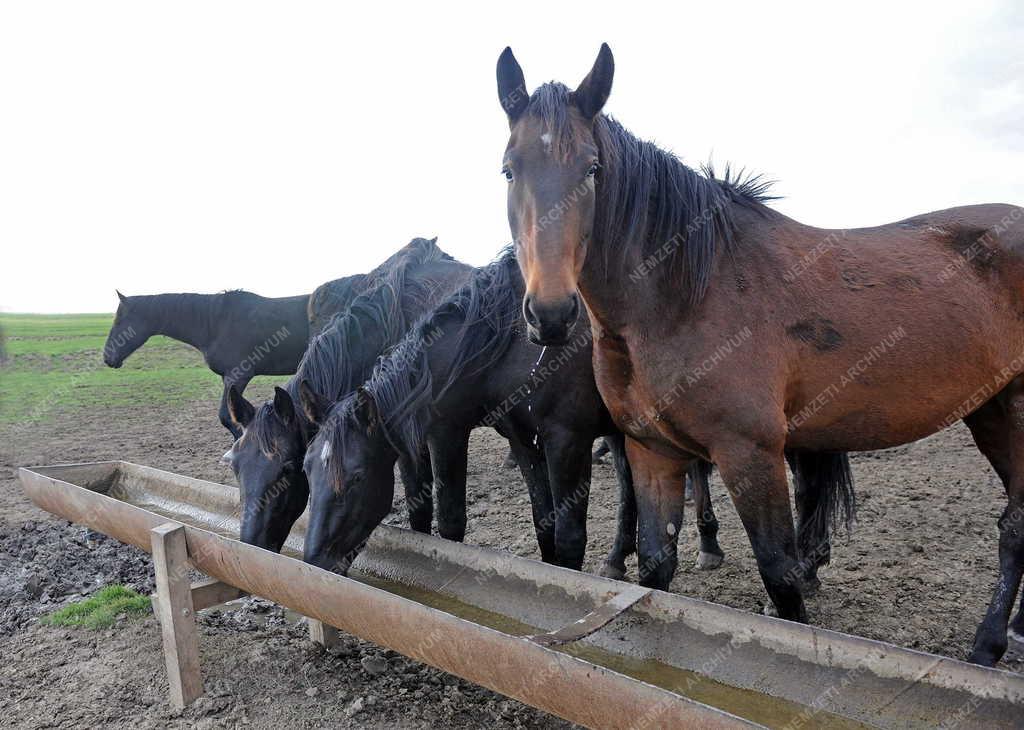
(267, 458)
(840, 340)
(240, 334)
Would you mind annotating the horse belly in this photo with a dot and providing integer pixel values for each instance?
(895, 405)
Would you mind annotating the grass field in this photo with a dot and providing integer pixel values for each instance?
(54, 363)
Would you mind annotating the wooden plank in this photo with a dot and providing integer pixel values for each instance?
(212, 592)
(176, 613)
(321, 633)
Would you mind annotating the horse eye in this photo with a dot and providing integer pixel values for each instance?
(507, 173)
(354, 477)
(593, 169)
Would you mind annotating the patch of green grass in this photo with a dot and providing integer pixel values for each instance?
(55, 364)
(56, 325)
(100, 610)
(72, 344)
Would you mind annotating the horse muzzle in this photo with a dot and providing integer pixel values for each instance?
(550, 323)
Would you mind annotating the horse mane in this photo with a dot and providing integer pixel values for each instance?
(334, 296)
(340, 357)
(648, 201)
(486, 311)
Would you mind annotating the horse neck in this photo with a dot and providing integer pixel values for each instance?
(612, 290)
(185, 317)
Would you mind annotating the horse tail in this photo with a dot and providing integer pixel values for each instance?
(829, 481)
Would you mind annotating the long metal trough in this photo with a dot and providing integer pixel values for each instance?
(665, 661)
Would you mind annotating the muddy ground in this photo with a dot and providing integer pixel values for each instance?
(917, 571)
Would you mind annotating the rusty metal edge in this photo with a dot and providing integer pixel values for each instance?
(571, 688)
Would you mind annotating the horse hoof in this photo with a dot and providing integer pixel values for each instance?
(1016, 638)
(708, 561)
(810, 586)
(770, 610)
(608, 570)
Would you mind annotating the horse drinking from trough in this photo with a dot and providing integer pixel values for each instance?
(267, 458)
(467, 363)
(855, 340)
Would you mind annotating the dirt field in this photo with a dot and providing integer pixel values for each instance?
(917, 571)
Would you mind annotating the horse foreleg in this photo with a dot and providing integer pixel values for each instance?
(568, 458)
(419, 499)
(711, 554)
(659, 483)
(755, 477)
(448, 450)
(534, 469)
(625, 534)
(998, 430)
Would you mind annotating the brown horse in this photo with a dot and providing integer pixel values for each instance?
(725, 330)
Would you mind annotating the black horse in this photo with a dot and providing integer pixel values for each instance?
(267, 458)
(467, 364)
(240, 334)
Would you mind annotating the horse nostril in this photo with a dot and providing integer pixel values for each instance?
(574, 310)
(531, 318)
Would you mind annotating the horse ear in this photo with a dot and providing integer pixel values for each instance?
(314, 405)
(120, 296)
(366, 409)
(592, 93)
(240, 410)
(283, 406)
(511, 86)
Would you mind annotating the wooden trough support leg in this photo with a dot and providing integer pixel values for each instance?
(174, 608)
(321, 633)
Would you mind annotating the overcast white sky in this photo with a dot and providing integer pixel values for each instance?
(199, 146)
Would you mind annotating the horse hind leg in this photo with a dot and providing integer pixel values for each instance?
(711, 554)
(998, 430)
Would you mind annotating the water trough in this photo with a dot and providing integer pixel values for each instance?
(635, 658)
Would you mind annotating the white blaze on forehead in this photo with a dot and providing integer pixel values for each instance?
(546, 139)
(670, 528)
(325, 452)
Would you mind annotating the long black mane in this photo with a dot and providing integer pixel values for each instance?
(333, 297)
(341, 357)
(649, 202)
(486, 312)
